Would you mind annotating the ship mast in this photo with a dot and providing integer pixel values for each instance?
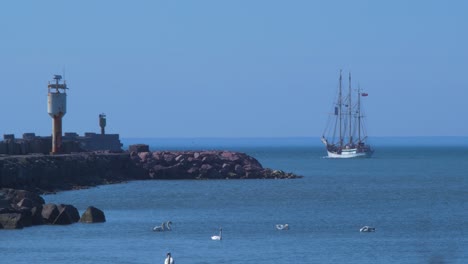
(359, 114)
(339, 112)
(350, 112)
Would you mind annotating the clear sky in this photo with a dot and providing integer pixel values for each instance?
(245, 68)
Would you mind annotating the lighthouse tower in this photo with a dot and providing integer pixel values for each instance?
(57, 107)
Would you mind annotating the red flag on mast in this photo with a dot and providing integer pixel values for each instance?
(364, 94)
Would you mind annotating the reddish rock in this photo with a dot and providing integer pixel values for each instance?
(144, 156)
(205, 165)
(230, 156)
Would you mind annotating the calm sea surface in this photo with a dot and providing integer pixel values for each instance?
(415, 195)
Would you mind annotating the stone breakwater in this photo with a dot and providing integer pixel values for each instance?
(23, 178)
(49, 173)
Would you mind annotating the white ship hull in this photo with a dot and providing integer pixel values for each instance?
(349, 153)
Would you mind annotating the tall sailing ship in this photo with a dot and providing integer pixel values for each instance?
(345, 135)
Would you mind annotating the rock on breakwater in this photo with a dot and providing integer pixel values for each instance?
(204, 165)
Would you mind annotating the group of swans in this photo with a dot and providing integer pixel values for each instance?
(165, 226)
(363, 229)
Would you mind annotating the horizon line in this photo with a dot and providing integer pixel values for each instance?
(278, 137)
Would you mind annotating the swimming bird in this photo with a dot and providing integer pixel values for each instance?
(168, 225)
(165, 226)
(218, 237)
(282, 227)
(367, 229)
(159, 228)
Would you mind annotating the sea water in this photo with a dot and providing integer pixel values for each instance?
(416, 197)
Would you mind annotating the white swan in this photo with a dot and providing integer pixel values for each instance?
(218, 237)
(282, 227)
(168, 225)
(367, 229)
(165, 226)
(159, 228)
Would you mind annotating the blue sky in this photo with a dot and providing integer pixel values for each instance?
(211, 68)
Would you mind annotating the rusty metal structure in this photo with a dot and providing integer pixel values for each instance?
(57, 108)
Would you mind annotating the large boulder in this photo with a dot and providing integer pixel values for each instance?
(26, 217)
(11, 221)
(19, 198)
(36, 216)
(25, 203)
(93, 215)
(70, 210)
(50, 213)
(63, 219)
(144, 156)
(68, 214)
(230, 156)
